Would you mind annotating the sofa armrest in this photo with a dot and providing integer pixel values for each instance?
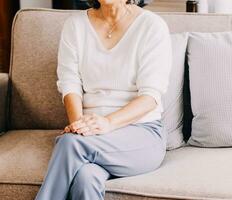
(4, 80)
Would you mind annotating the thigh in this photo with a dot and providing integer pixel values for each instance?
(130, 150)
(138, 150)
(130, 137)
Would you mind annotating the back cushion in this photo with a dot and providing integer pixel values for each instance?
(35, 101)
(172, 117)
(210, 72)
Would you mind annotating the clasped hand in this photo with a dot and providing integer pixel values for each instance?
(89, 124)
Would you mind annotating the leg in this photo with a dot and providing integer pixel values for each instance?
(127, 151)
(131, 150)
(123, 152)
(67, 158)
(89, 183)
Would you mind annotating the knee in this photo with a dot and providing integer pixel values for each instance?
(67, 142)
(66, 139)
(88, 179)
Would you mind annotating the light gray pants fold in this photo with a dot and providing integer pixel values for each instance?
(80, 165)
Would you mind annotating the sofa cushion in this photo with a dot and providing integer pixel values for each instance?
(210, 72)
(24, 155)
(172, 116)
(186, 173)
(29, 191)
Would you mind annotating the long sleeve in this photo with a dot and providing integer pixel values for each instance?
(69, 80)
(155, 61)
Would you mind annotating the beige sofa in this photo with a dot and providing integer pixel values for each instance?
(31, 115)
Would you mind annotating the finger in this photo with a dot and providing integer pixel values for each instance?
(75, 132)
(62, 132)
(92, 132)
(71, 128)
(67, 129)
(87, 129)
(81, 122)
(93, 126)
(87, 123)
(91, 122)
(83, 130)
(78, 125)
(95, 131)
(87, 133)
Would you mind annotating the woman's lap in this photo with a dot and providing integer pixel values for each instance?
(127, 151)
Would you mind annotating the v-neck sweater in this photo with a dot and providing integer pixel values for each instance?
(108, 79)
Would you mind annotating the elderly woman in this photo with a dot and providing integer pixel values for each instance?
(114, 62)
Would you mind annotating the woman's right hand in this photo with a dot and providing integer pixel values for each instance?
(74, 126)
(69, 128)
(66, 130)
(83, 122)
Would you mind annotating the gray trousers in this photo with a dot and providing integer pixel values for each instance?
(80, 165)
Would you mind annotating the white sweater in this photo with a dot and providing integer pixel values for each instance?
(106, 80)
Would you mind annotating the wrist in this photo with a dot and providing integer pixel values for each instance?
(111, 124)
(75, 118)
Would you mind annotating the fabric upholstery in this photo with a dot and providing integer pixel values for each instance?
(18, 191)
(186, 173)
(4, 79)
(35, 99)
(25, 154)
(172, 117)
(210, 72)
(29, 191)
(189, 22)
(34, 96)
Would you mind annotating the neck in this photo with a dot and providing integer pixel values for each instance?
(112, 12)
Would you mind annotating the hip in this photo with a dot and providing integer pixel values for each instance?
(156, 128)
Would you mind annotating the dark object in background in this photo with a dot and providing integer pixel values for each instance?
(8, 8)
(188, 114)
(191, 6)
(82, 4)
(70, 4)
(143, 3)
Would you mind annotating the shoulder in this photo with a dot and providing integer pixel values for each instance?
(155, 22)
(75, 18)
(156, 33)
(71, 26)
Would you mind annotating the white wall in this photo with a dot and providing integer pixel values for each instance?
(220, 6)
(36, 3)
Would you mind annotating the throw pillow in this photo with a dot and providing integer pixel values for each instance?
(210, 72)
(172, 116)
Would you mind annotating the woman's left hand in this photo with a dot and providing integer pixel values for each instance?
(91, 124)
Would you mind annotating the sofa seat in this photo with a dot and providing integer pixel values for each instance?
(186, 173)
